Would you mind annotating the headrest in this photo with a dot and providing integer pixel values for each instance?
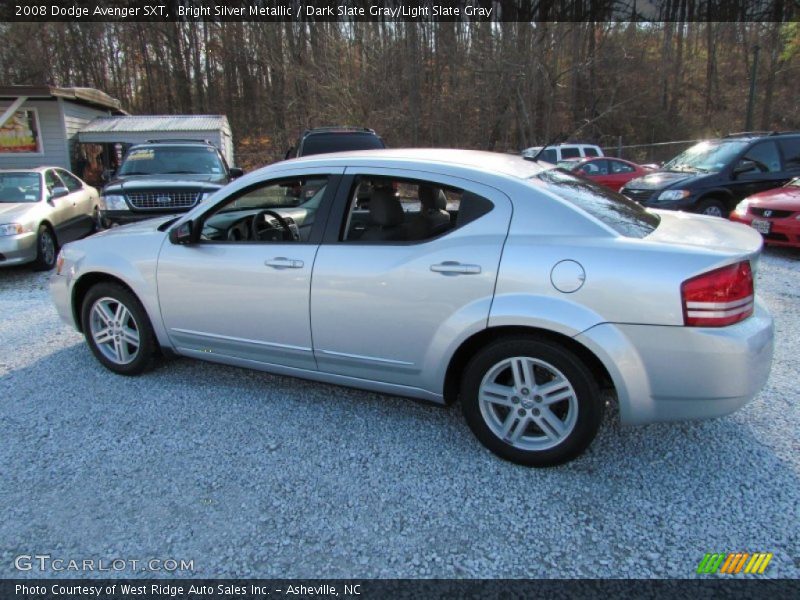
(385, 209)
(431, 198)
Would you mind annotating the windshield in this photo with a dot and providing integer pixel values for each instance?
(624, 216)
(20, 187)
(166, 160)
(706, 157)
(322, 143)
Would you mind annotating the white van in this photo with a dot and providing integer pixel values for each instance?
(556, 153)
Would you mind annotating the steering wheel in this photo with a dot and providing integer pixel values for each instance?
(288, 234)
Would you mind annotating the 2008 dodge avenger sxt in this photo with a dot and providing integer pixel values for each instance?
(513, 286)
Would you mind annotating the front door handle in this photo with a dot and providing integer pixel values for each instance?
(451, 267)
(281, 262)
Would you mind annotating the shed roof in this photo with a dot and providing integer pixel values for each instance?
(147, 123)
(81, 95)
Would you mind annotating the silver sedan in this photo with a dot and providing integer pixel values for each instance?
(522, 291)
(41, 209)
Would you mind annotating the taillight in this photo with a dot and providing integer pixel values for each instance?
(718, 298)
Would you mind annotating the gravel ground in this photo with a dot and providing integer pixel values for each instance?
(250, 475)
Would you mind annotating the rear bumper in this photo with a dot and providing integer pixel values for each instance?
(17, 249)
(681, 373)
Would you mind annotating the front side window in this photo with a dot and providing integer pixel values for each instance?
(20, 133)
(52, 181)
(169, 160)
(276, 211)
(20, 187)
(595, 167)
(620, 167)
(387, 210)
(73, 183)
(624, 216)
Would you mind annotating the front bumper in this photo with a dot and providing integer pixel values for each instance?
(783, 232)
(17, 249)
(61, 294)
(669, 373)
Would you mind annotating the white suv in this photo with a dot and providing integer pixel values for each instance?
(556, 153)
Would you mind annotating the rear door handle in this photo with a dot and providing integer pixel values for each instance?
(450, 267)
(281, 262)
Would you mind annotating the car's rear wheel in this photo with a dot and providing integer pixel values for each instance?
(712, 208)
(46, 249)
(531, 401)
(118, 330)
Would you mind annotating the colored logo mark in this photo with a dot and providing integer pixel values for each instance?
(735, 562)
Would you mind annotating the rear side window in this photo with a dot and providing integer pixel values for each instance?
(322, 143)
(570, 153)
(791, 153)
(589, 151)
(624, 216)
(766, 157)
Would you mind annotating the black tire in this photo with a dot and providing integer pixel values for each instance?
(147, 352)
(46, 249)
(585, 401)
(712, 207)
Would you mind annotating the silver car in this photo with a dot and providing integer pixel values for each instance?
(528, 294)
(40, 209)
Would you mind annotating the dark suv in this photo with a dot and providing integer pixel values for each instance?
(713, 176)
(163, 177)
(322, 140)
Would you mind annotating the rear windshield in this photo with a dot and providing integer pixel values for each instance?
(322, 143)
(624, 216)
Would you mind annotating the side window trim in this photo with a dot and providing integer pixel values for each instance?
(320, 217)
(341, 203)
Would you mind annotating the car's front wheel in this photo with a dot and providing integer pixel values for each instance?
(118, 330)
(531, 401)
(46, 249)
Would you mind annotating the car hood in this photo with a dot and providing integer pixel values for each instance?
(661, 180)
(177, 181)
(782, 198)
(137, 228)
(710, 233)
(11, 210)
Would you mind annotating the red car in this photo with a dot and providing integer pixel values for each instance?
(610, 172)
(775, 214)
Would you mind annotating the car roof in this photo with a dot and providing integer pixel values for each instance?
(495, 162)
(30, 170)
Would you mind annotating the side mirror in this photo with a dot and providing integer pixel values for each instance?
(58, 192)
(107, 174)
(235, 172)
(744, 166)
(182, 234)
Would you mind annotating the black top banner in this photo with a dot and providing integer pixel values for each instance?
(400, 10)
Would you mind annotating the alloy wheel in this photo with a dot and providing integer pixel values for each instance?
(114, 330)
(528, 403)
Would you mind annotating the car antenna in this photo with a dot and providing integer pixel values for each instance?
(555, 140)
